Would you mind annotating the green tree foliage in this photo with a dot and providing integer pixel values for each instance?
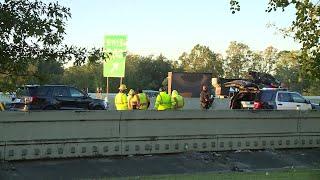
(141, 72)
(48, 72)
(31, 37)
(237, 60)
(85, 76)
(268, 60)
(201, 59)
(305, 29)
(31, 32)
(288, 70)
(150, 72)
(146, 72)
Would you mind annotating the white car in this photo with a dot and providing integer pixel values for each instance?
(286, 100)
(249, 96)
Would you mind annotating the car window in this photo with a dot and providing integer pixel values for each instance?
(76, 93)
(297, 98)
(267, 96)
(60, 91)
(43, 91)
(284, 97)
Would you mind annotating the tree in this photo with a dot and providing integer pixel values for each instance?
(305, 29)
(237, 62)
(288, 71)
(146, 72)
(87, 76)
(201, 59)
(31, 34)
(268, 60)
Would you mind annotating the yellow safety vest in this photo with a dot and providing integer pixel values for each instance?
(133, 101)
(177, 102)
(121, 101)
(163, 102)
(143, 101)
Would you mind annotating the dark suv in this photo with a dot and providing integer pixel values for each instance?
(54, 97)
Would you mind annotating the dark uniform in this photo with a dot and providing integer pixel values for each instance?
(205, 99)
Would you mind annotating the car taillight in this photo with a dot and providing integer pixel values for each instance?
(30, 99)
(257, 105)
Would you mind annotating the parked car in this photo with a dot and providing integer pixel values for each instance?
(54, 97)
(315, 106)
(249, 96)
(281, 100)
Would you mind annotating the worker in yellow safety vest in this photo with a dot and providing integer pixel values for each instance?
(177, 100)
(121, 98)
(2, 106)
(163, 100)
(144, 101)
(133, 100)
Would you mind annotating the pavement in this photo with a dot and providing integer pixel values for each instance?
(183, 163)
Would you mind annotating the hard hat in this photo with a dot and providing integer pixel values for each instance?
(122, 87)
(131, 92)
(175, 92)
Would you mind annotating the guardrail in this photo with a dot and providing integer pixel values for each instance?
(63, 134)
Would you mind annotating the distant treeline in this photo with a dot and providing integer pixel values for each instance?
(148, 72)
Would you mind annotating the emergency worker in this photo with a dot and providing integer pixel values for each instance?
(144, 101)
(163, 100)
(177, 100)
(120, 100)
(133, 100)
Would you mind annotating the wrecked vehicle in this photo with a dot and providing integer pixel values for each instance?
(263, 91)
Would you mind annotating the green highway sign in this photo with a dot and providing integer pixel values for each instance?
(115, 64)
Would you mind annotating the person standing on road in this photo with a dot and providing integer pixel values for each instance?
(133, 100)
(144, 101)
(206, 98)
(177, 100)
(129, 97)
(120, 100)
(99, 93)
(163, 100)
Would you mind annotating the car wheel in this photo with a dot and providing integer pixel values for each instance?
(98, 108)
(49, 108)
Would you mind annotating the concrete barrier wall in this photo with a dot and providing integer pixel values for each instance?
(61, 134)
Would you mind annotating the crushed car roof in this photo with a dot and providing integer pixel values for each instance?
(242, 84)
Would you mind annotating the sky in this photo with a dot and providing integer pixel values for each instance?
(172, 27)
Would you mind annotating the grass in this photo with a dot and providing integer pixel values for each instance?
(302, 174)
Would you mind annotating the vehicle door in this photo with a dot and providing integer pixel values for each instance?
(81, 101)
(284, 101)
(267, 99)
(300, 102)
(63, 100)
